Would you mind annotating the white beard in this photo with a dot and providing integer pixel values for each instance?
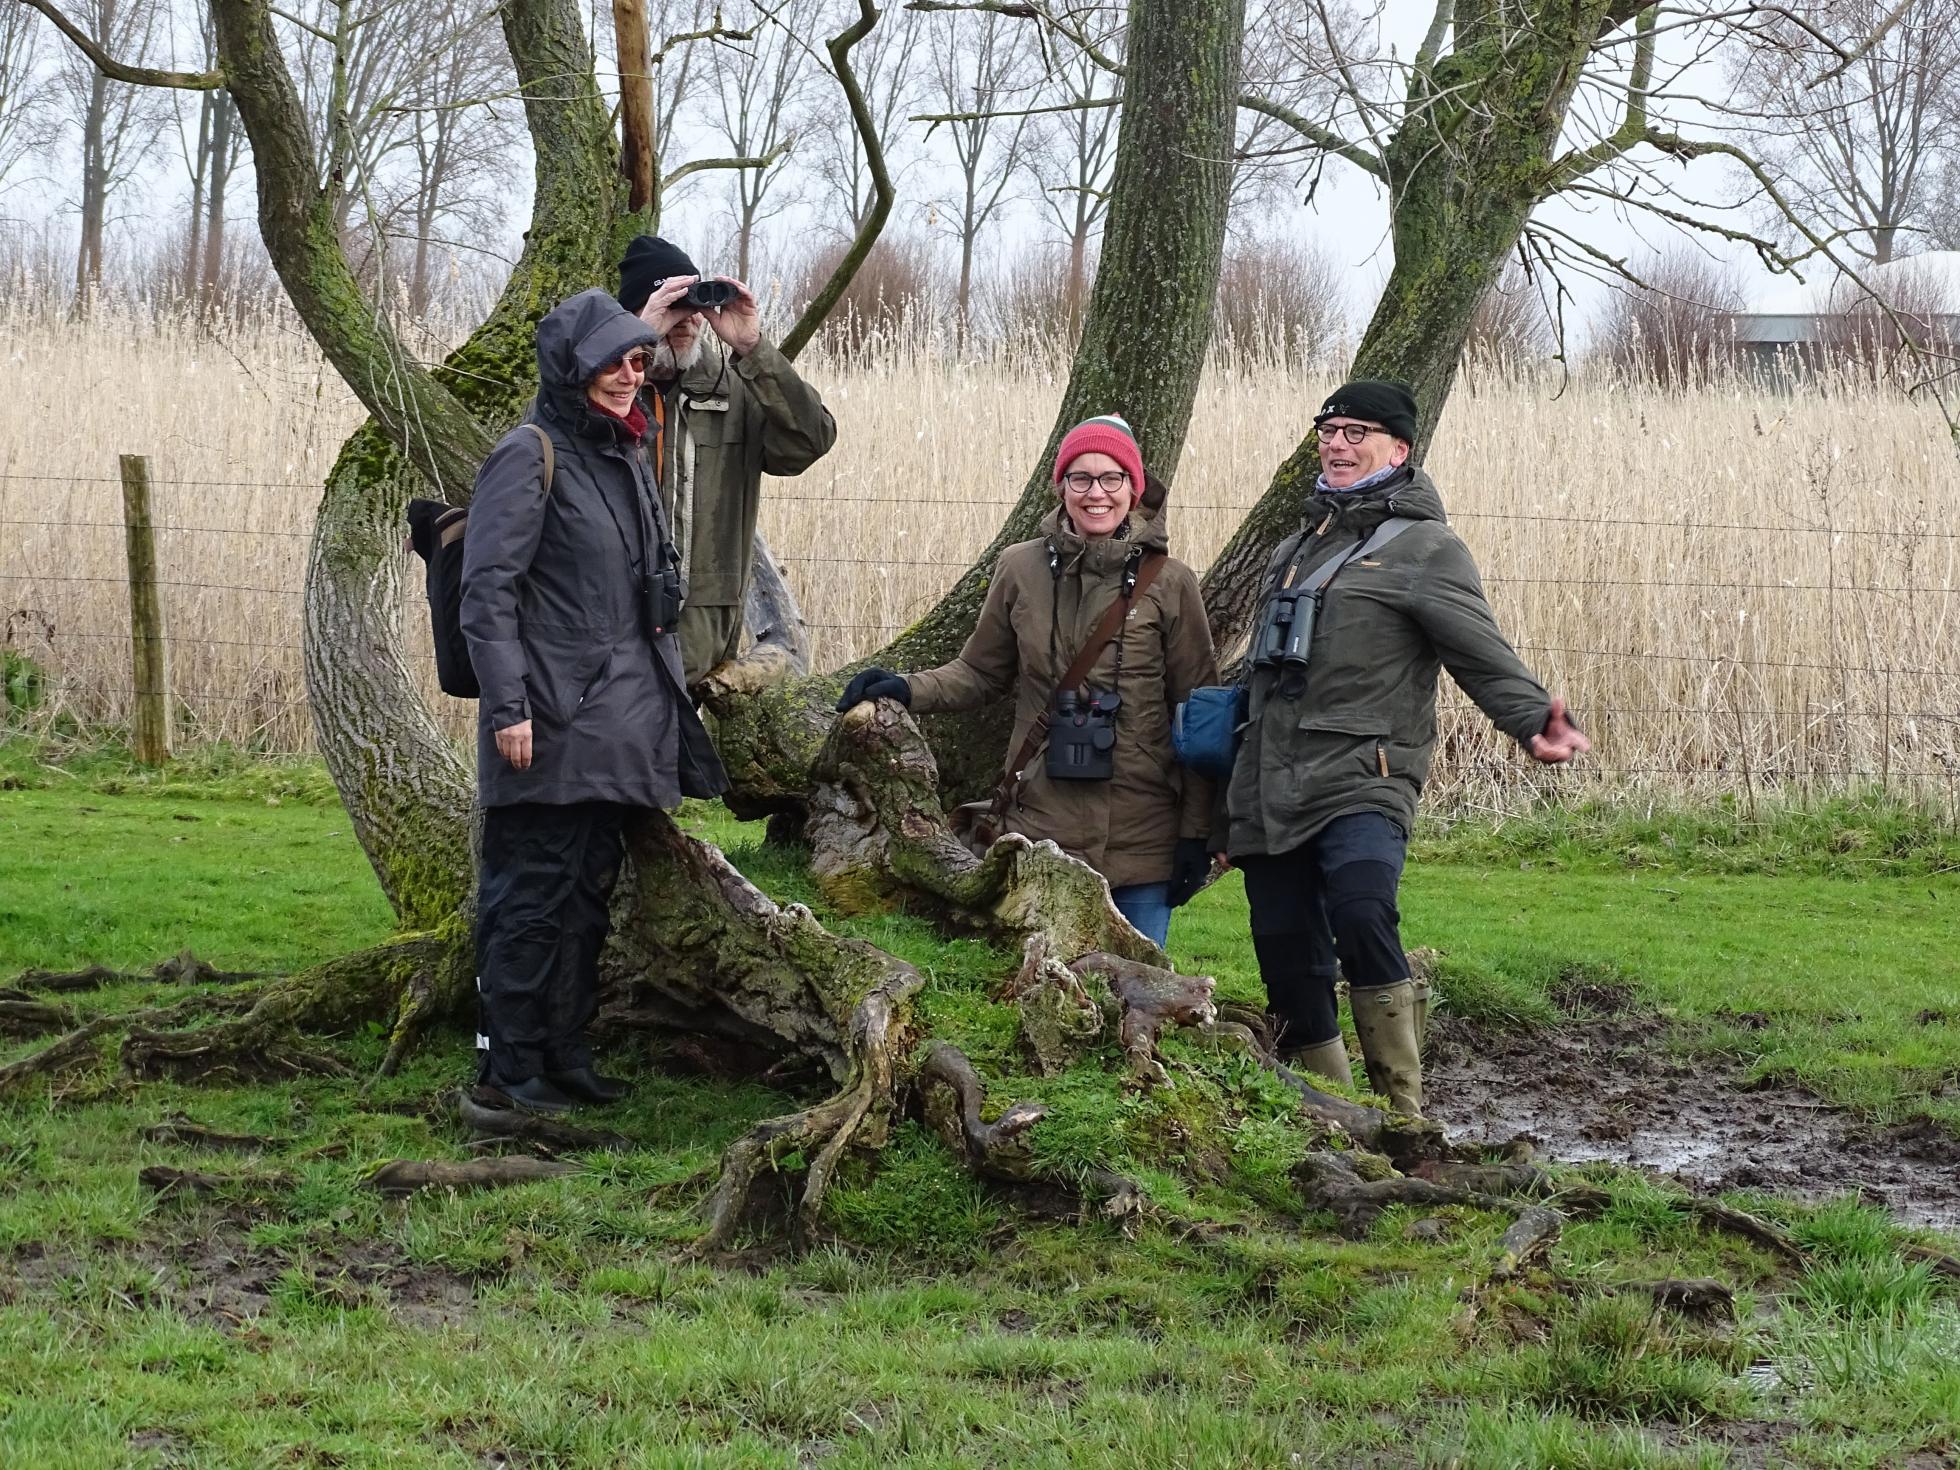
(666, 365)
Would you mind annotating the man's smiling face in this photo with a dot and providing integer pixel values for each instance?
(1344, 464)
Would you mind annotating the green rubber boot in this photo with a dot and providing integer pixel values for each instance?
(1422, 991)
(1385, 1020)
(1327, 1059)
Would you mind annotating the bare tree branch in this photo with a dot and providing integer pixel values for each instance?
(1085, 105)
(820, 306)
(1633, 127)
(1321, 138)
(116, 71)
(702, 165)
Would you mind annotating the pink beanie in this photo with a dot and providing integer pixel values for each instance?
(1107, 434)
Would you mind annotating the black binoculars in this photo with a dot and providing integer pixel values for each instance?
(1082, 735)
(706, 294)
(1285, 633)
(661, 598)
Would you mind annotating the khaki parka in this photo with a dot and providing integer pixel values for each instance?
(729, 421)
(1127, 827)
(1359, 735)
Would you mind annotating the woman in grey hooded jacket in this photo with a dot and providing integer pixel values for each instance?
(570, 594)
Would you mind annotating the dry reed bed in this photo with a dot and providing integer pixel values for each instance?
(1735, 588)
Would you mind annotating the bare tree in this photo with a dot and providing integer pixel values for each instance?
(211, 153)
(1860, 144)
(887, 65)
(27, 121)
(980, 66)
(459, 142)
(1075, 150)
(759, 89)
(118, 124)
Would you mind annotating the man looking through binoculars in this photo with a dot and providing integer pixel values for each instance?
(726, 408)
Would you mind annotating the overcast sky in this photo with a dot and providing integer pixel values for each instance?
(1348, 214)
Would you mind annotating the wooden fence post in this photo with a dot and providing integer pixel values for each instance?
(150, 720)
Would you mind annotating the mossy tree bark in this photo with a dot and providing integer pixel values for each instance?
(1473, 153)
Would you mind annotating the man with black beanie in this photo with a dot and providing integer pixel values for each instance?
(725, 412)
(1363, 607)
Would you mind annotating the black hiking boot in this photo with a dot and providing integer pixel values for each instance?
(588, 1086)
(537, 1095)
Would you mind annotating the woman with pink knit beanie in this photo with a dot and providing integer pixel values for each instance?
(1090, 767)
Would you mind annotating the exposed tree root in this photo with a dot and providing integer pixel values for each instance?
(1148, 999)
(1356, 1187)
(184, 968)
(1534, 1232)
(79, 1047)
(879, 839)
(1740, 1222)
(93, 978)
(22, 1015)
(182, 1133)
(406, 1176)
(167, 1181)
(1693, 1296)
(329, 999)
(952, 1098)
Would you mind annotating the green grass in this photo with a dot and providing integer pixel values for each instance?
(296, 1319)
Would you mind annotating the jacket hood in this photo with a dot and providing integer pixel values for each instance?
(1147, 531)
(577, 337)
(1410, 494)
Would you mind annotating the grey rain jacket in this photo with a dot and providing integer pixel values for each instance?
(551, 601)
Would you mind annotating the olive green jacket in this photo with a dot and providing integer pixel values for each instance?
(729, 421)
(1127, 827)
(1359, 736)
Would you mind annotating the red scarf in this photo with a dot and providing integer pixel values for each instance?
(631, 426)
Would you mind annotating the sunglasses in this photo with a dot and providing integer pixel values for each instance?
(633, 361)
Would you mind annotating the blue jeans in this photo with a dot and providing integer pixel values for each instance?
(1147, 907)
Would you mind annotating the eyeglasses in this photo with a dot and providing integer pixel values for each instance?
(1353, 433)
(1112, 481)
(632, 362)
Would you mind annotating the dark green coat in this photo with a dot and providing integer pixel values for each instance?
(1359, 736)
(730, 421)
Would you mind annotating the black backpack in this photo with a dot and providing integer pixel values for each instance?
(435, 533)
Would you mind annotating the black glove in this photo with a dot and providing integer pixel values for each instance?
(875, 683)
(1190, 867)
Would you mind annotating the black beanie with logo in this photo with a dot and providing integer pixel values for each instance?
(1378, 400)
(650, 260)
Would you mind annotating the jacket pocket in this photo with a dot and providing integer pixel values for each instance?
(563, 666)
(1346, 722)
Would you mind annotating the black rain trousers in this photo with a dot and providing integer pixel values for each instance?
(541, 919)
(1329, 902)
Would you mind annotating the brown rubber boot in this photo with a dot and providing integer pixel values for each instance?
(1327, 1059)
(1385, 1020)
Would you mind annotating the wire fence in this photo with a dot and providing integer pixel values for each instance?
(1702, 656)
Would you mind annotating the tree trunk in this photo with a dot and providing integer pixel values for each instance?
(408, 793)
(1472, 157)
(95, 190)
(220, 177)
(200, 179)
(1163, 245)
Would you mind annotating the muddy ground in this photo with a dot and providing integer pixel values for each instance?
(1616, 1086)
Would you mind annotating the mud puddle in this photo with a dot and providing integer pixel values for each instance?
(1610, 1089)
